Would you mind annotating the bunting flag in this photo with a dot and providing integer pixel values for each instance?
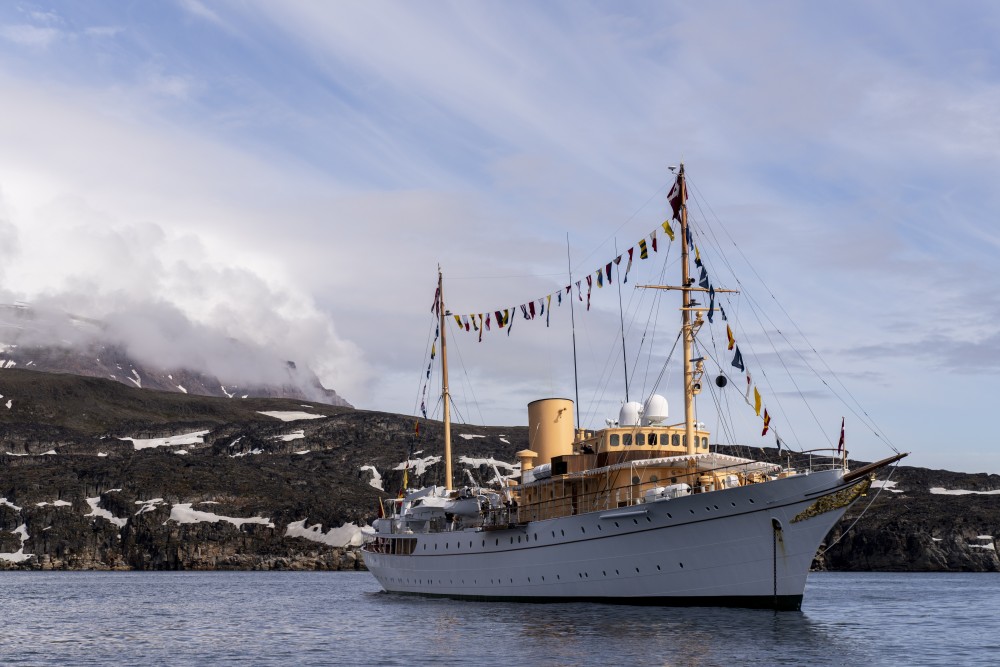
(465, 321)
(767, 423)
(689, 240)
(458, 321)
(778, 442)
(722, 311)
(738, 360)
(711, 302)
(643, 253)
(473, 319)
(524, 311)
(590, 286)
(729, 333)
(628, 267)
(749, 382)
(499, 319)
(437, 300)
(549, 300)
(541, 306)
(703, 278)
(607, 269)
(618, 260)
(579, 292)
(558, 297)
(433, 349)
(480, 327)
(677, 196)
(840, 445)
(600, 278)
(506, 316)
(668, 229)
(531, 309)
(697, 258)
(652, 238)
(509, 321)
(487, 321)
(756, 401)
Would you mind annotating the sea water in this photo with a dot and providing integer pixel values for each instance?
(342, 618)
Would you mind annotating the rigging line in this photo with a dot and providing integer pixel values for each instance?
(421, 378)
(653, 318)
(507, 277)
(872, 425)
(781, 360)
(757, 311)
(666, 363)
(746, 399)
(468, 381)
(870, 503)
(628, 220)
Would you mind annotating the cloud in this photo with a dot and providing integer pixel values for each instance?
(29, 35)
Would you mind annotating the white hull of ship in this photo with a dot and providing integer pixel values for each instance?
(719, 548)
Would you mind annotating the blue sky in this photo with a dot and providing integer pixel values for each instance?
(292, 174)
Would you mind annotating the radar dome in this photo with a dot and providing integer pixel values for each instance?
(630, 413)
(655, 410)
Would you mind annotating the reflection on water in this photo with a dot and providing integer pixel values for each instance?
(343, 619)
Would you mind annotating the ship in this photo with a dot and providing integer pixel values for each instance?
(641, 512)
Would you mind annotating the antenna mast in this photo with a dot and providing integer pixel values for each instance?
(572, 314)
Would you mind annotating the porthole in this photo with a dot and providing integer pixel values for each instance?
(654, 478)
(658, 568)
(616, 524)
(563, 533)
(637, 570)
(669, 515)
(648, 520)
(751, 500)
(616, 572)
(635, 521)
(682, 566)
(635, 479)
(582, 529)
(600, 527)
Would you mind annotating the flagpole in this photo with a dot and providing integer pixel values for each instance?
(572, 314)
(621, 319)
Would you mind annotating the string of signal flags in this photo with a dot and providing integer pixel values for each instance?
(504, 318)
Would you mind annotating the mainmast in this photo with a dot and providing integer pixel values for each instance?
(445, 396)
(688, 328)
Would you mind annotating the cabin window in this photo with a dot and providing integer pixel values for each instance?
(652, 438)
(635, 480)
(654, 478)
(640, 439)
(627, 439)
(704, 443)
(675, 440)
(614, 439)
(685, 441)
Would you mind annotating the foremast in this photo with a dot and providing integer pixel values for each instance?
(445, 395)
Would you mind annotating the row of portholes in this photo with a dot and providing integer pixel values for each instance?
(583, 529)
(500, 582)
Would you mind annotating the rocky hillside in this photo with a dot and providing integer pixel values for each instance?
(233, 488)
(95, 474)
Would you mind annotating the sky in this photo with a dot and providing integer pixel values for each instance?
(291, 175)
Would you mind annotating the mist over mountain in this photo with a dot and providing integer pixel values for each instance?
(152, 346)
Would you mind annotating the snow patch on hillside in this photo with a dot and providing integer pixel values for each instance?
(96, 511)
(194, 438)
(290, 416)
(347, 535)
(939, 491)
(294, 435)
(376, 480)
(182, 513)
